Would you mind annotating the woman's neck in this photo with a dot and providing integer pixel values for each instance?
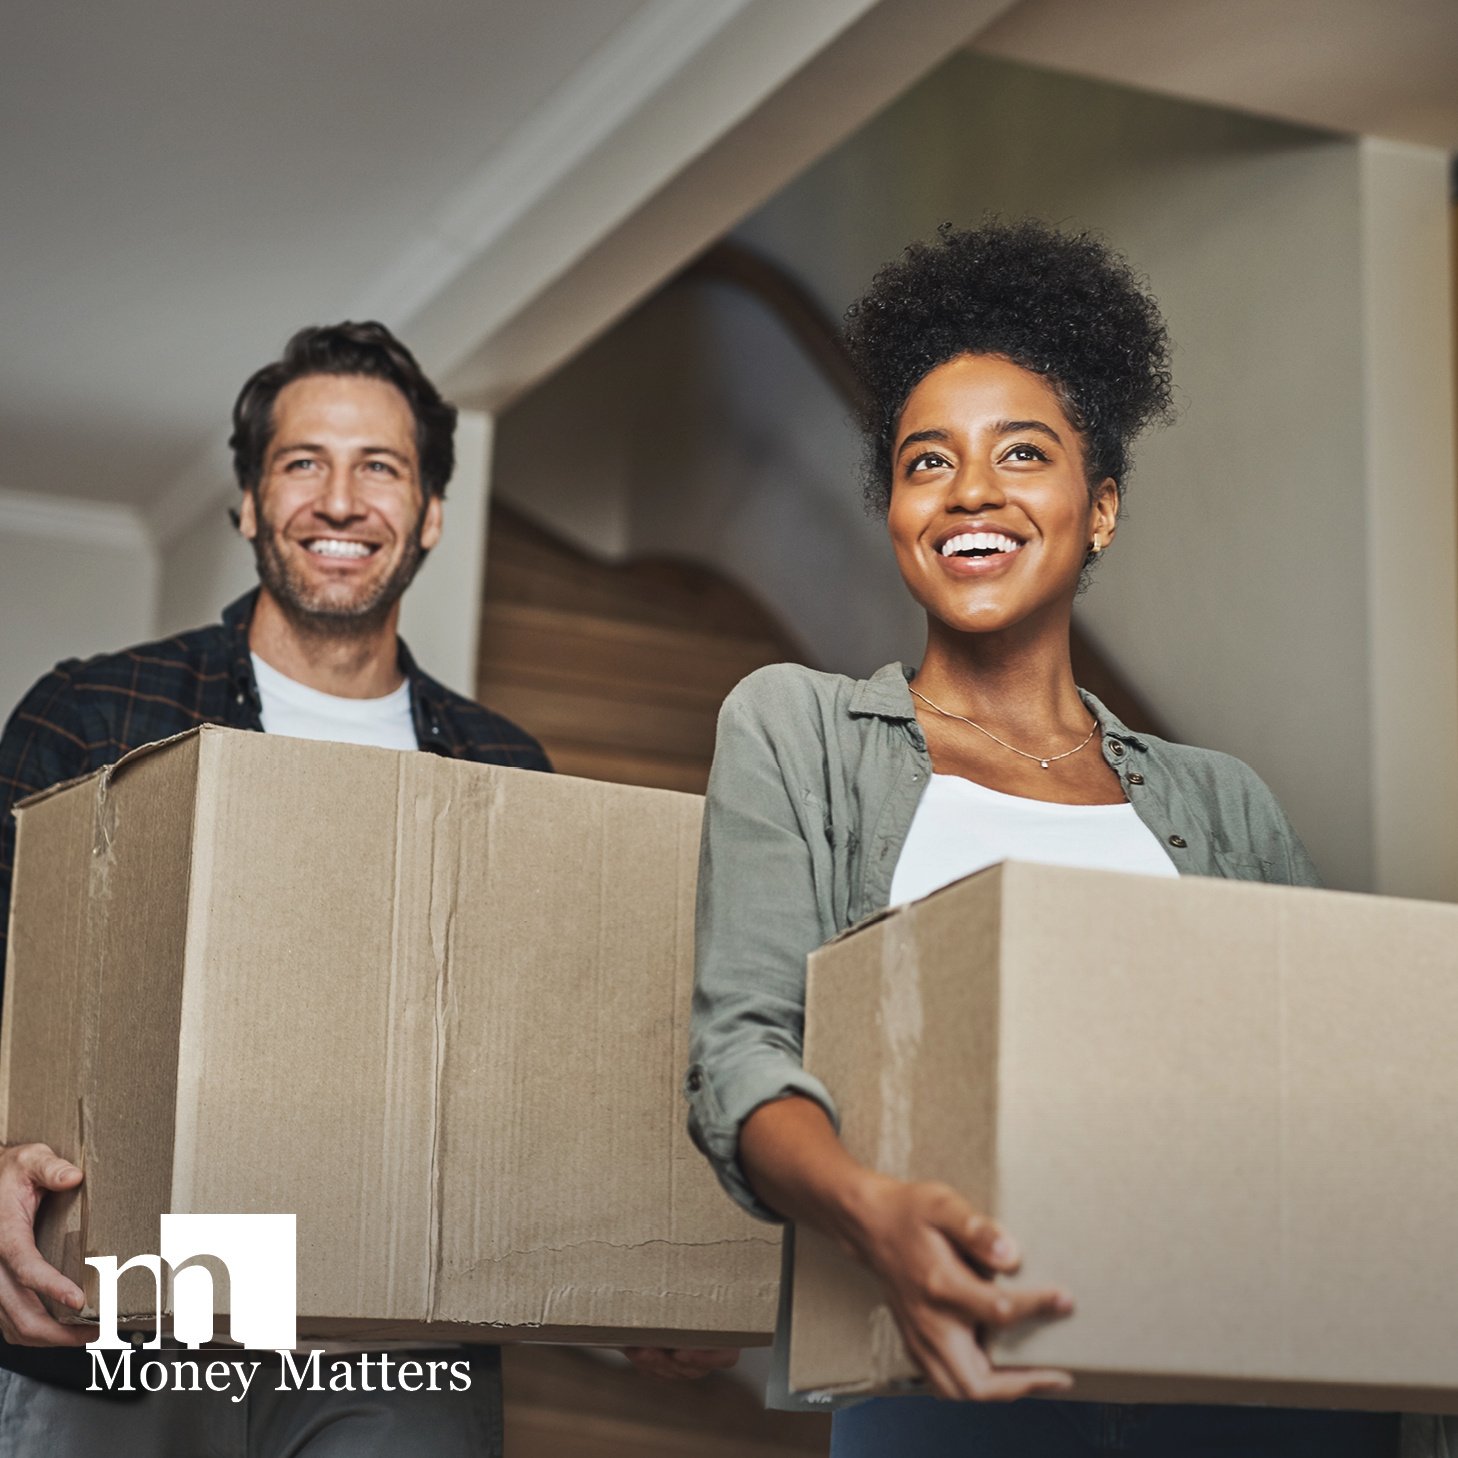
(1026, 687)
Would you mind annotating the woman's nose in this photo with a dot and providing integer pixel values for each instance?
(975, 487)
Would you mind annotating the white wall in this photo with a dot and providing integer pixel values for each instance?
(1238, 599)
(74, 580)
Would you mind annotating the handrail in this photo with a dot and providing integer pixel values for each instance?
(806, 321)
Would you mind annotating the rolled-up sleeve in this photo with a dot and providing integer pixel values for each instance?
(758, 918)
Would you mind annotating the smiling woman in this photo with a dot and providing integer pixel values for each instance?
(1009, 369)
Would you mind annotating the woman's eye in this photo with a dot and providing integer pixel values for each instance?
(1024, 453)
(928, 461)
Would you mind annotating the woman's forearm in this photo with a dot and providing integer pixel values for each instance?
(794, 1160)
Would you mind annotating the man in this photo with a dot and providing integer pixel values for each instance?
(342, 449)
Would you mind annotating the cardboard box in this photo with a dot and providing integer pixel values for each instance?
(436, 1009)
(1221, 1114)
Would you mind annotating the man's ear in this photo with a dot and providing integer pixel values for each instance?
(248, 515)
(432, 522)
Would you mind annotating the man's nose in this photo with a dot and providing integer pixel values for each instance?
(339, 499)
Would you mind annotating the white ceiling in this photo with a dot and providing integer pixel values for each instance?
(180, 193)
(1386, 68)
(184, 182)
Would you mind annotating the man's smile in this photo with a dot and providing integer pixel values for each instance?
(340, 548)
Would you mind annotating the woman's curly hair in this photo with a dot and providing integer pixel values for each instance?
(1063, 305)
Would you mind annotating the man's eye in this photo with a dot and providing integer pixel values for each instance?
(303, 463)
(380, 468)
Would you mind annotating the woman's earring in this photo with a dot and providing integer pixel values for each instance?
(1093, 548)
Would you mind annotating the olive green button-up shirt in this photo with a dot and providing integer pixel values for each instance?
(815, 782)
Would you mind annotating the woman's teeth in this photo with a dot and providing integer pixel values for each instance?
(980, 543)
(335, 547)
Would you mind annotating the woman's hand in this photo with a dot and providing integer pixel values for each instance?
(938, 1260)
(937, 1257)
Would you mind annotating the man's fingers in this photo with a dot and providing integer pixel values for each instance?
(26, 1322)
(681, 1363)
(33, 1273)
(700, 1361)
(46, 1168)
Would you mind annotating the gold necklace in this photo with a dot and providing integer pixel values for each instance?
(1045, 762)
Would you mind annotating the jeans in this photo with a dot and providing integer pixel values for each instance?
(924, 1427)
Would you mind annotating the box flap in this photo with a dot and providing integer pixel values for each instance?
(109, 772)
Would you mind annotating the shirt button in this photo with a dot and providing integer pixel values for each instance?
(1135, 778)
(1116, 749)
(240, 698)
(1177, 841)
(695, 1081)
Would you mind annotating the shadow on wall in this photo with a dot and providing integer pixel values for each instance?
(698, 430)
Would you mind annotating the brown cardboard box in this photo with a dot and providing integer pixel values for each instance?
(436, 1009)
(1221, 1114)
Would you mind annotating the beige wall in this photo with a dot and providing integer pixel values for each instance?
(1240, 597)
(63, 598)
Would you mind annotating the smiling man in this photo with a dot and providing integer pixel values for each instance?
(343, 450)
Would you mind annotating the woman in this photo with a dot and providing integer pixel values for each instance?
(1009, 368)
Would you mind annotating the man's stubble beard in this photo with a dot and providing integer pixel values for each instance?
(318, 613)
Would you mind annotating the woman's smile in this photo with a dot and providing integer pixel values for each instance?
(979, 553)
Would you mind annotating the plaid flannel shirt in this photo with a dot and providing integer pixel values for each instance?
(85, 714)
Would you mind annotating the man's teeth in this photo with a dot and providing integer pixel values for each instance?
(979, 542)
(335, 547)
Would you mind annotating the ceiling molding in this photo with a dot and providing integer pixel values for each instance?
(568, 126)
(575, 120)
(675, 89)
(71, 519)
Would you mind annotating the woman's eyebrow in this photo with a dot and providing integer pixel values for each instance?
(1011, 427)
(917, 436)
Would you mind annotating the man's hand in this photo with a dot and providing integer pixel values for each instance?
(939, 1259)
(27, 1172)
(678, 1364)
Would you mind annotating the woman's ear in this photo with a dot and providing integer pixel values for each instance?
(1104, 514)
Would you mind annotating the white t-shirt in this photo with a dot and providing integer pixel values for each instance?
(961, 827)
(292, 708)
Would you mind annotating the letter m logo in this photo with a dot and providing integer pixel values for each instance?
(255, 1252)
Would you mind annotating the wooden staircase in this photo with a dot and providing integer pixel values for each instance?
(618, 670)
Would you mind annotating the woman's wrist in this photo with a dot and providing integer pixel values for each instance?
(856, 1209)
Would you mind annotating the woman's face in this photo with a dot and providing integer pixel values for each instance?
(990, 513)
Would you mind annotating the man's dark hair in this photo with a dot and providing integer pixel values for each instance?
(367, 349)
(1063, 305)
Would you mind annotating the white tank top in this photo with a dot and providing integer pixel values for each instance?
(961, 827)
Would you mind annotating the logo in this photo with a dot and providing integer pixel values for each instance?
(256, 1256)
(254, 1253)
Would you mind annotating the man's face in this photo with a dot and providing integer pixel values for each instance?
(339, 521)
